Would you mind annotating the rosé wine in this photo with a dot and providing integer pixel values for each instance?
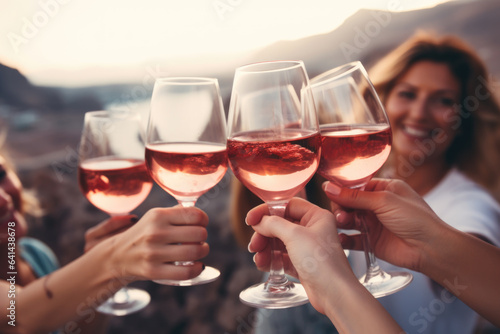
(274, 169)
(116, 186)
(350, 155)
(186, 170)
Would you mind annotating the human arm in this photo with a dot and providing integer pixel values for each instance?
(406, 232)
(144, 251)
(316, 258)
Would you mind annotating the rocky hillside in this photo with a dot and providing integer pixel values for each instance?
(368, 34)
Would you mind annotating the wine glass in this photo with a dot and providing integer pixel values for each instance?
(112, 175)
(356, 140)
(186, 145)
(274, 150)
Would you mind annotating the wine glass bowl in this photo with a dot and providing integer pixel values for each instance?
(186, 145)
(273, 148)
(356, 141)
(187, 171)
(112, 175)
(115, 186)
(274, 168)
(351, 155)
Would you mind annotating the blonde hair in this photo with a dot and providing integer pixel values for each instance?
(29, 202)
(476, 150)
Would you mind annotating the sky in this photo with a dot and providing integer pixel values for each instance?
(78, 42)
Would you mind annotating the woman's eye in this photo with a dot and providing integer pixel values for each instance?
(3, 174)
(447, 101)
(406, 94)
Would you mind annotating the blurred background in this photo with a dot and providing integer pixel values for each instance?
(61, 58)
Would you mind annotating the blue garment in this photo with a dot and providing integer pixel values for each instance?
(39, 257)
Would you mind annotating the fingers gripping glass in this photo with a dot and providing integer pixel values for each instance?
(356, 141)
(186, 145)
(112, 175)
(273, 149)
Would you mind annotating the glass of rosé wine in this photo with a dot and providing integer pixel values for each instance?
(356, 141)
(186, 146)
(112, 175)
(274, 150)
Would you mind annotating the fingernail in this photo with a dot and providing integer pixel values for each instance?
(338, 215)
(248, 247)
(331, 188)
(254, 258)
(246, 221)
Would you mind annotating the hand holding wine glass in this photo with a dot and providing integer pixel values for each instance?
(112, 175)
(273, 149)
(356, 141)
(186, 145)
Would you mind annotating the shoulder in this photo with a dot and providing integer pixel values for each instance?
(456, 179)
(456, 186)
(38, 255)
(466, 205)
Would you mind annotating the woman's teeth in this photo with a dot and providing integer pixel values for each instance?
(416, 132)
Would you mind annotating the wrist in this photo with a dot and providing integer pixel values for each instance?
(107, 258)
(341, 287)
(346, 307)
(434, 252)
(340, 296)
(355, 310)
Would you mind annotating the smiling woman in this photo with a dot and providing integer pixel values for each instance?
(446, 137)
(446, 133)
(420, 107)
(443, 111)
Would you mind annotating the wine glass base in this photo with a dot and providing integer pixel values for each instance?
(387, 283)
(289, 295)
(208, 275)
(134, 300)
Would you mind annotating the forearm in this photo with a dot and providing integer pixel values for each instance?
(57, 300)
(352, 309)
(468, 268)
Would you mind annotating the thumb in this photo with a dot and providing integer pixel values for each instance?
(351, 198)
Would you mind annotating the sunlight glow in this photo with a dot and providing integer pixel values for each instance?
(43, 37)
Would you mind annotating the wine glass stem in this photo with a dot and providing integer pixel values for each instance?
(277, 272)
(372, 267)
(121, 296)
(185, 204)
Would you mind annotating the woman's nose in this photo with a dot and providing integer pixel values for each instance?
(420, 108)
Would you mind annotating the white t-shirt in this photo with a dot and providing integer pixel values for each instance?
(424, 306)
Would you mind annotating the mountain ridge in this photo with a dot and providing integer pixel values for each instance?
(366, 36)
(474, 21)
